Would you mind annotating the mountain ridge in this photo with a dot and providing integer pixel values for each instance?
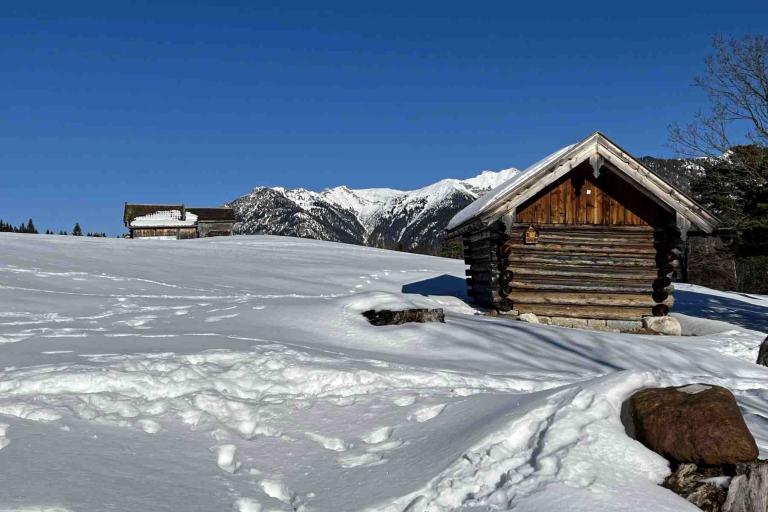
(411, 220)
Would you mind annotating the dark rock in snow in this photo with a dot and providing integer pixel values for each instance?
(749, 488)
(688, 480)
(698, 423)
(762, 354)
(388, 317)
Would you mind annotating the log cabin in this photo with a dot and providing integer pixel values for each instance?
(586, 233)
(176, 221)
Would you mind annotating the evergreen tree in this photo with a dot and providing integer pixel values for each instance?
(77, 231)
(451, 248)
(31, 227)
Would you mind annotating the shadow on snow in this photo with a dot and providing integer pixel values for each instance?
(440, 285)
(737, 312)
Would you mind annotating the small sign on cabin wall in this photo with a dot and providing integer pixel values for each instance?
(531, 235)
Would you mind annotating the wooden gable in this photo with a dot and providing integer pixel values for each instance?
(579, 197)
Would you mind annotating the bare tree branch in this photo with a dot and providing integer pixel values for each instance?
(736, 81)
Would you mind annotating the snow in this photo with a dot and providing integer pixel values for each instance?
(140, 376)
(164, 218)
(693, 389)
(487, 180)
(502, 190)
(371, 203)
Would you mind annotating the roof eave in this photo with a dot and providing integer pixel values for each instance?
(674, 198)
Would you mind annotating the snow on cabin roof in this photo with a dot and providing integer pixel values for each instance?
(165, 218)
(485, 201)
(513, 192)
(134, 210)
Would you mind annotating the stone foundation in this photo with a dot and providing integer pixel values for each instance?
(595, 324)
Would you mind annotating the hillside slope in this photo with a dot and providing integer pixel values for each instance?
(238, 374)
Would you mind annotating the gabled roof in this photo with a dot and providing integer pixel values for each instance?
(529, 182)
(224, 214)
(132, 211)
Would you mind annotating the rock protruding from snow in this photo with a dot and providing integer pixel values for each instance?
(667, 325)
(748, 491)
(419, 315)
(701, 486)
(762, 353)
(701, 425)
(531, 318)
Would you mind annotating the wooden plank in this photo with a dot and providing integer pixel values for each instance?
(557, 208)
(534, 258)
(514, 286)
(588, 299)
(552, 282)
(568, 200)
(545, 239)
(590, 228)
(484, 244)
(582, 272)
(483, 235)
(584, 249)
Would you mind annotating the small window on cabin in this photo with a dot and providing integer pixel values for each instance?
(531, 235)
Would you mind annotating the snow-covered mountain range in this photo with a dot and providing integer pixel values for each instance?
(412, 220)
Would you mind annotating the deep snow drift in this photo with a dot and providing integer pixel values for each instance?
(238, 374)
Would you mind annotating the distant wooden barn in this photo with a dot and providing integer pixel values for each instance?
(176, 221)
(588, 232)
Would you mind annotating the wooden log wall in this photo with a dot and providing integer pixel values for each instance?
(589, 271)
(481, 253)
(178, 232)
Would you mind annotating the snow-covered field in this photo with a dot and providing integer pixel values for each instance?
(237, 374)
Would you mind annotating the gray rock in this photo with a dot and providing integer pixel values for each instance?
(562, 321)
(531, 318)
(688, 481)
(595, 323)
(389, 317)
(624, 325)
(580, 323)
(762, 354)
(748, 491)
(663, 325)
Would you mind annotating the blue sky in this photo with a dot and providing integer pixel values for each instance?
(106, 102)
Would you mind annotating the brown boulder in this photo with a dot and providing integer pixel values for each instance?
(697, 423)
